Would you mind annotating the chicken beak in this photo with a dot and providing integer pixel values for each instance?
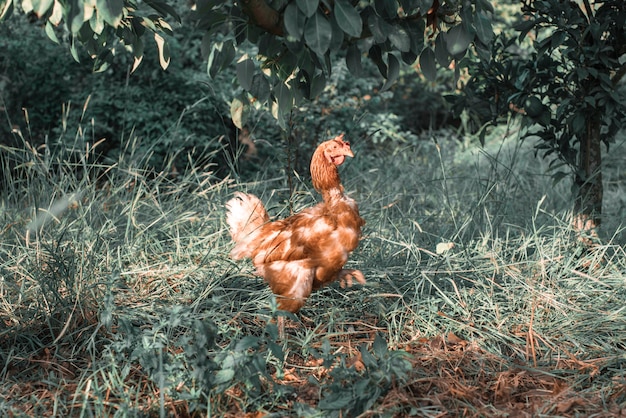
(340, 157)
(345, 149)
(343, 152)
(338, 150)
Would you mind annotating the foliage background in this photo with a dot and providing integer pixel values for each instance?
(182, 110)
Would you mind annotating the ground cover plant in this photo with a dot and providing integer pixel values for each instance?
(117, 297)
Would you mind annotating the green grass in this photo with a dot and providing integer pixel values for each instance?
(117, 297)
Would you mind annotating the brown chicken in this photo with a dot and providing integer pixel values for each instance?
(307, 250)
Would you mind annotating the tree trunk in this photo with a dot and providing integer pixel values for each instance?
(588, 183)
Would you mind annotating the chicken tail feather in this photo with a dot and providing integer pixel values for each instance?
(245, 215)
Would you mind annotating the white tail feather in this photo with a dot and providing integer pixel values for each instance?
(245, 215)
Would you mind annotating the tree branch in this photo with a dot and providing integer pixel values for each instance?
(263, 16)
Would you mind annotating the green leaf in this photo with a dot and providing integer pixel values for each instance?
(136, 63)
(393, 71)
(557, 39)
(376, 55)
(558, 176)
(578, 123)
(97, 23)
(334, 401)
(76, 16)
(318, 83)
(415, 30)
(399, 38)
(50, 32)
(537, 111)
(139, 26)
(206, 45)
(224, 376)
(545, 118)
(533, 106)
(338, 35)
(111, 11)
(348, 18)
(164, 51)
(73, 50)
(485, 5)
(484, 31)
(368, 359)
(308, 7)
(379, 28)
(277, 351)
(220, 56)
(237, 113)
(409, 5)
(524, 26)
(215, 61)
(284, 103)
(409, 57)
(441, 51)
(318, 33)
(245, 72)
(41, 7)
(6, 9)
(260, 88)
(27, 6)
(353, 60)
(428, 65)
(457, 41)
(246, 342)
(387, 9)
(294, 21)
(164, 9)
(425, 5)
(301, 88)
(380, 346)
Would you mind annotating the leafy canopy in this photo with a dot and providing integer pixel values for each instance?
(284, 49)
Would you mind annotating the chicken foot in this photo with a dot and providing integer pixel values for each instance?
(346, 276)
